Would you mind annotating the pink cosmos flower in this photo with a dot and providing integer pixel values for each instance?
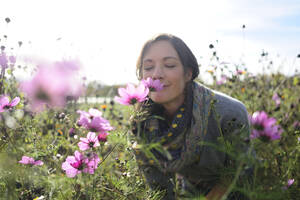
(30, 161)
(240, 72)
(3, 60)
(102, 137)
(52, 85)
(264, 127)
(93, 163)
(93, 121)
(289, 183)
(276, 98)
(296, 124)
(99, 124)
(153, 85)
(71, 132)
(5, 104)
(132, 94)
(222, 80)
(79, 163)
(12, 59)
(89, 142)
(86, 117)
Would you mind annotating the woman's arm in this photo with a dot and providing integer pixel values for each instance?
(217, 192)
(235, 128)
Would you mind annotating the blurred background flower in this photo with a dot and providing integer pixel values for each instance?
(52, 85)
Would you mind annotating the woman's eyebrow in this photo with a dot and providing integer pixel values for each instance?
(170, 57)
(164, 58)
(147, 60)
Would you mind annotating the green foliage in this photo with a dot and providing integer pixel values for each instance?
(45, 136)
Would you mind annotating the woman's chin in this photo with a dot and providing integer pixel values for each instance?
(157, 98)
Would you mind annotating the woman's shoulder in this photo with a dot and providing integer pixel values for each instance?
(225, 105)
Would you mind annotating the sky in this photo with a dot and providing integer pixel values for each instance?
(107, 36)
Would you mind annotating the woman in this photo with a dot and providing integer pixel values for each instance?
(190, 121)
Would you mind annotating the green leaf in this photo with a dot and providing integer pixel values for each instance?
(9, 71)
(295, 80)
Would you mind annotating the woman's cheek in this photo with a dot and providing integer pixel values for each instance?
(146, 74)
(158, 97)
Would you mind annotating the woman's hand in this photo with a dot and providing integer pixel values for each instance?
(216, 192)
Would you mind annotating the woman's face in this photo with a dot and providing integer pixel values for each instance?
(162, 62)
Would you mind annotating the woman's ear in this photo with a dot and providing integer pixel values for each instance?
(188, 75)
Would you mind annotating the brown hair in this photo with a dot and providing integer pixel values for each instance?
(186, 56)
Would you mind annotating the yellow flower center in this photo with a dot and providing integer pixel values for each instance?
(179, 115)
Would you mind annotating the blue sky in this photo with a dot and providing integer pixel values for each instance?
(108, 35)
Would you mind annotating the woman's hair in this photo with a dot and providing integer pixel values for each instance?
(186, 56)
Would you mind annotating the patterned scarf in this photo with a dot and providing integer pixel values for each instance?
(181, 139)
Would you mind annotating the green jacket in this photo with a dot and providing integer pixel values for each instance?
(217, 119)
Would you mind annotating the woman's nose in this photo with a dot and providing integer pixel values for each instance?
(158, 73)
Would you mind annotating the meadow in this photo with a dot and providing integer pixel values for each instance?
(45, 149)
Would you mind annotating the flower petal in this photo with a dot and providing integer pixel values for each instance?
(15, 101)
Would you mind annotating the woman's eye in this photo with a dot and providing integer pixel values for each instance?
(170, 66)
(147, 68)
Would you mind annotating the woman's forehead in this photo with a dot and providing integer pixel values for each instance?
(164, 59)
(162, 50)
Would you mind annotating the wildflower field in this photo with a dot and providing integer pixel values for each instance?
(52, 147)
